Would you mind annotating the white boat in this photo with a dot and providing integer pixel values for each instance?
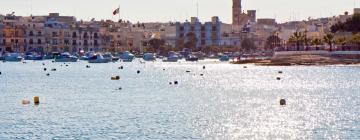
(173, 57)
(149, 57)
(127, 56)
(98, 58)
(66, 57)
(111, 57)
(13, 57)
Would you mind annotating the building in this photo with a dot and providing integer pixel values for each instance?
(252, 15)
(2, 41)
(207, 34)
(356, 10)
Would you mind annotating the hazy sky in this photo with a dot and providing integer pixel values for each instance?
(178, 10)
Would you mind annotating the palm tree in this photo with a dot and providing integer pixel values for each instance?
(329, 39)
(316, 42)
(341, 42)
(297, 38)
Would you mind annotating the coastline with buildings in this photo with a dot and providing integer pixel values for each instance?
(254, 78)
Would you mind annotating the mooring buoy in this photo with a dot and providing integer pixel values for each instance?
(36, 100)
(282, 102)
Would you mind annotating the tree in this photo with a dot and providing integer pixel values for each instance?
(191, 41)
(317, 42)
(341, 42)
(156, 43)
(329, 39)
(297, 38)
(248, 44)
(351, 25)
(272, 42)
(355, 39)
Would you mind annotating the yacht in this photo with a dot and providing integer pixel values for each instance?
(66, 57)
(98, 58)
(13, 57)
(127, 56)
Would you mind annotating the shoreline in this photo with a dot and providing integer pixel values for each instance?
(301, 60)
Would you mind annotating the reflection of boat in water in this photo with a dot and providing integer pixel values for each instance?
(224, 58)
(127, 57)
(149, 57)
(173, 57)
(110, 57)
(13, 57)
(98, 58)
(192, 58)
(66, 57)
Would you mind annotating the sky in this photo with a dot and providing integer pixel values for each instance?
(178, 10)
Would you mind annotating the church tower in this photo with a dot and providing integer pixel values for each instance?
(237, 11)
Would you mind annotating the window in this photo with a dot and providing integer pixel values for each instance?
(54, 34)
(54, 42)
(31, 33)
(39, 41)
(31, 41)
(39, 33)
(74, 42)
(74, 35)
(96, 42)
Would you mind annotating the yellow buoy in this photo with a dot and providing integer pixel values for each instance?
(36, 100)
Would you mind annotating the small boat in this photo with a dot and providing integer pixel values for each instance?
(66, 57)
(2, 57)
(149, 57)
(224, 58)
(98, 58)
(87, 56)
(127, 57)
(13, 57)
(173, 57)
(192, 58)
(52, 55)
(111, 57)
(31, 56)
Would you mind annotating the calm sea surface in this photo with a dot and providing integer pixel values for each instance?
(227, 102)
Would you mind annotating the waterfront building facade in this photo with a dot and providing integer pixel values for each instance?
(207, 34)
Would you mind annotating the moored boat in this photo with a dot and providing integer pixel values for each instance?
(13, 57)
(98, 58)
(224, 58)
(192, 58)
(149, 57)
(173, 57)
(127, 56)
(66, 57)
(111, 57)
